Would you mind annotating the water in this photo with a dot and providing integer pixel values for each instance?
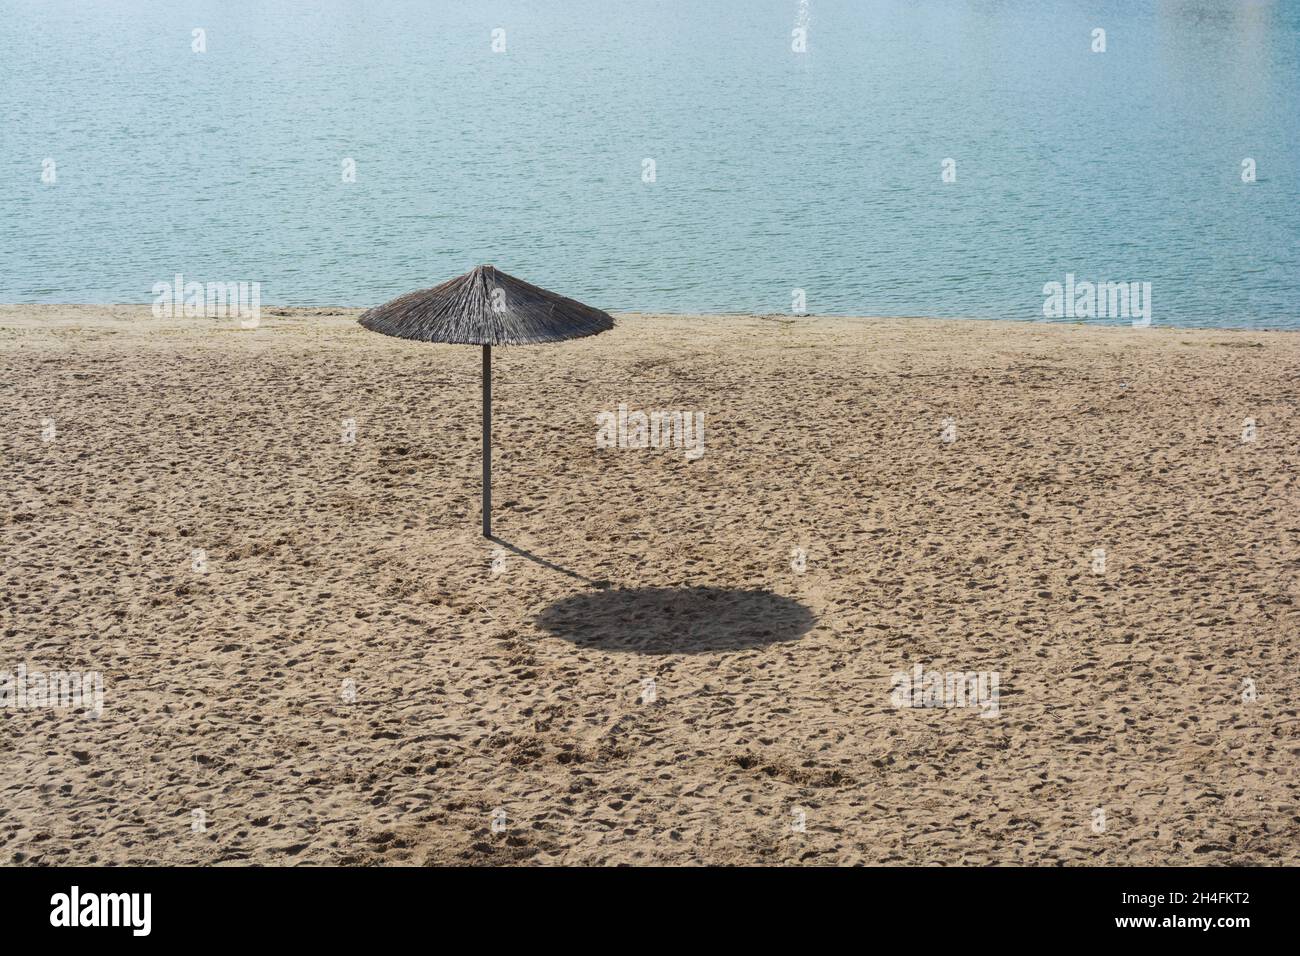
(774, 170)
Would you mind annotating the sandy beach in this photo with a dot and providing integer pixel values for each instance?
(266, 540)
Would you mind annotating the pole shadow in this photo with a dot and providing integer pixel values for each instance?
(549, 565)
(676, 620)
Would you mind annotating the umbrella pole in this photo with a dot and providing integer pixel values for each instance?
(487, 441)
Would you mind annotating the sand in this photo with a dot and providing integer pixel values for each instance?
(355, 676)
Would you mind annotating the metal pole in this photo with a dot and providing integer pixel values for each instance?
(487, 441)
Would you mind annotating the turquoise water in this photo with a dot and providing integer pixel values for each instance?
(774, 170)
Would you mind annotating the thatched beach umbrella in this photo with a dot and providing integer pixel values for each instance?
(486, 307)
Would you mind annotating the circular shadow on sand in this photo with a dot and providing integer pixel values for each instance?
(676, 620)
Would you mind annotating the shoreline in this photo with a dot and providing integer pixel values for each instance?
(141, 312)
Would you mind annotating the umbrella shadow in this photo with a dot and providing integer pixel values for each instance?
(549, 565)
(676, 620)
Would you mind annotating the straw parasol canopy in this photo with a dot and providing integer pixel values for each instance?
(486, 307)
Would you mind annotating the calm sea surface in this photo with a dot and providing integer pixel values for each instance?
(773, 170)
